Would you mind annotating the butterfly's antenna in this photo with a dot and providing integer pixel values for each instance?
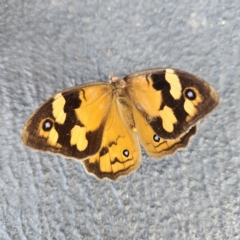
(109, 53)
(81, 59)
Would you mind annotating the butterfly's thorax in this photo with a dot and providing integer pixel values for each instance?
(118, 86)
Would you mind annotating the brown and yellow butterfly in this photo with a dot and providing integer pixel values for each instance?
(101, 123)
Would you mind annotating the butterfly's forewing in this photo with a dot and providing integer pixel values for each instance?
(70, 123)
(154, 145)
(171, 100)
(120, 150)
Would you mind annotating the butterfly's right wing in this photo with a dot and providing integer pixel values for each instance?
(172, 101)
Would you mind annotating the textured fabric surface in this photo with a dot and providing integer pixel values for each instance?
(193, 194)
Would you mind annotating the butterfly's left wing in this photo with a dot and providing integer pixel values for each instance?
(120, 151)
(70, 123)
(172, 101)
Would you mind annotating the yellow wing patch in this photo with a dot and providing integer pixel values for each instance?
(168, 118)
(175, 85)
(58, 108)
(78, 137)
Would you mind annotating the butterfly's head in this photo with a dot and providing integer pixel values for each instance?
(116, 82)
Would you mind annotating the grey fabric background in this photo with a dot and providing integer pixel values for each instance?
(193, 194)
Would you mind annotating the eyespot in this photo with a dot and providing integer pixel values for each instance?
(190, 94)
(156, 138)
(125, 153)
(47, 125)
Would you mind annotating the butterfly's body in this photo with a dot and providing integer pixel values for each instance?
(101, 123)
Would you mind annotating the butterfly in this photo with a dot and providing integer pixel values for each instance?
(102, 123)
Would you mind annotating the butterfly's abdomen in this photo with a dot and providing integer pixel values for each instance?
(125, 107)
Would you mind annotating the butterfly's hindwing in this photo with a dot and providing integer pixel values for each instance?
(155, 145)
(120, 152)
